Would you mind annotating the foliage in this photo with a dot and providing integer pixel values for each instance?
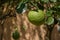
(52, 6)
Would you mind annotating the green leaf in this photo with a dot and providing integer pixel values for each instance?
(49, 13)
(50, 21)
(45, 1)
(16, 35)
(37, 0)
(20, 7)
(53, 0)
(59, 6)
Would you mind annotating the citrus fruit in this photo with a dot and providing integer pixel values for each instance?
(36, 17)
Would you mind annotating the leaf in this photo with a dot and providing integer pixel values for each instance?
(49, 13)
(26, 1)
(16, 35)
(56, 10)
(50, 21)
(37, 0)
(20, 7)
(45, 1)
(24, 10)
(53, 0)
(58, 6)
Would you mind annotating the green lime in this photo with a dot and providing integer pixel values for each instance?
(36, 17)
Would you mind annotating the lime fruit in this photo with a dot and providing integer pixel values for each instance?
(36, 17)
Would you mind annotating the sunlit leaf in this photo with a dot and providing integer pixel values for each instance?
(50, 21)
